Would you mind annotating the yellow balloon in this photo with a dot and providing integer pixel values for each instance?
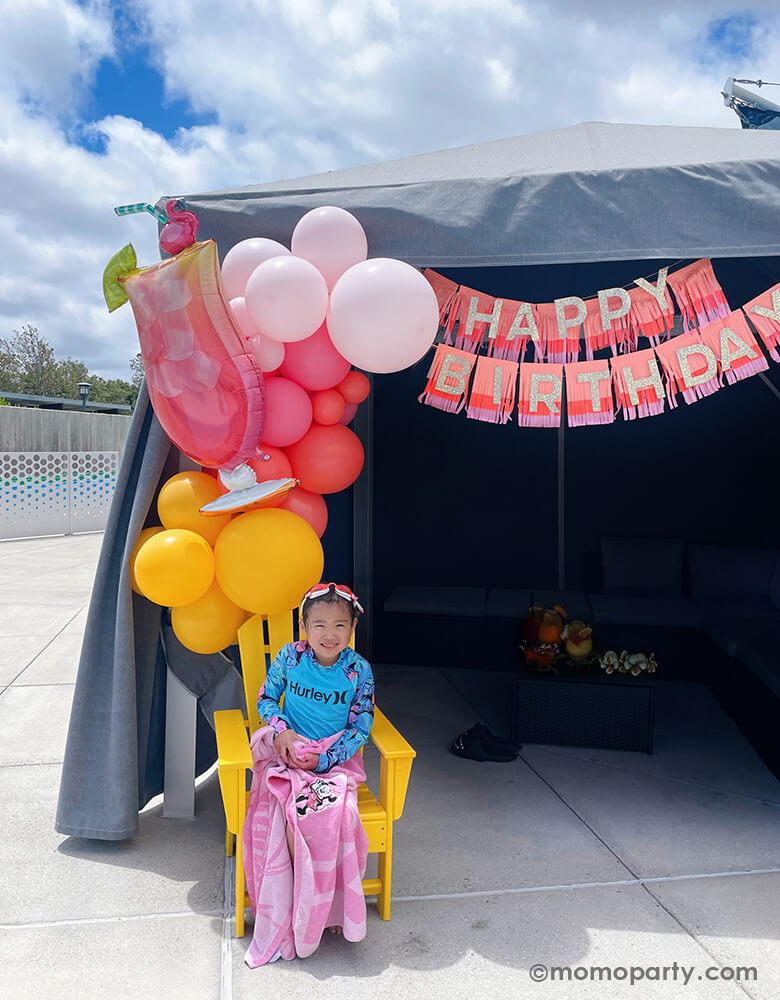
(180, 500)
(142, 537)
(267, 559)
(174, 567)
(208, 624)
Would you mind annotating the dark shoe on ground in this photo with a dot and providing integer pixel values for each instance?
(479, 743)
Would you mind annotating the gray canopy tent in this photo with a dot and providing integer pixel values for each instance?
(590, 193)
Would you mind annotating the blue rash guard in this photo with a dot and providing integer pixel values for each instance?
(320, 701)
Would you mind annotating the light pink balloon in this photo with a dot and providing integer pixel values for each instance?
(287, 298)
(268, 353)
(314, 363)
(243, 258)
(383, 315)
(332, 239)
(243, 319)
(349, 412)
(288, 412)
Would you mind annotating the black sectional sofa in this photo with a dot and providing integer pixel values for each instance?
(711, 613)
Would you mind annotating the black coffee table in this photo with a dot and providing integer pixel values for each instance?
(612, 712)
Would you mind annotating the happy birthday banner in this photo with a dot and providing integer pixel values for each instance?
(715, 343)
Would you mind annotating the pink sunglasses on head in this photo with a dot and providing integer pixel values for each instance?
(320, 589)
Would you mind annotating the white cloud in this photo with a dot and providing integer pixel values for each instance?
(301, 86)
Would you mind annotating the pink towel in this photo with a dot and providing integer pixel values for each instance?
(293, 904)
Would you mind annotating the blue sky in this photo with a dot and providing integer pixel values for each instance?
(102, 104)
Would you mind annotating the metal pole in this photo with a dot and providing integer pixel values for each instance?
(561, 504)
(363, 525)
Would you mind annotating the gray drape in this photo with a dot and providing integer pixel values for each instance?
(114, 756)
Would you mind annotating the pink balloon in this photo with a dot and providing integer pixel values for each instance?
(243, 258)
(287, 298)
(310, 506)
(268, 353)
(288, 412)
(314, 363)
(383, 315)
(332, 239)
(349, 412)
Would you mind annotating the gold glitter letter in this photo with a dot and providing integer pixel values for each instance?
(550, 397)
(658, 291)
(607, 314)
(727, 335)
(594, 378)
(560, 312)
(478, 317)
(653, 379)
(684, 353)
(459, 374)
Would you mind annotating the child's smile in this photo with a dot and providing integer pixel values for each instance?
(329, 629)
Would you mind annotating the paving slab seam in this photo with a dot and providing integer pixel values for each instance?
(713, 957)
(581, 818)
(77, 921)
(659, 777)
(226, 957)
(565, 887)
(40, 651)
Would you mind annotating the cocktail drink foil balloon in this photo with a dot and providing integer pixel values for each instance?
(205, 387)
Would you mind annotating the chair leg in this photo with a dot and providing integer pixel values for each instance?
(228, 843)
(385, 872)
(240, 856)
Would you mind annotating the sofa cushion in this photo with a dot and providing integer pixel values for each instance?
(642, 566)
(758, 648)
(513, 602)
(616, 609)
(464, 601)
(721, 573)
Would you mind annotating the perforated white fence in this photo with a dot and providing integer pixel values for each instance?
(55, 493)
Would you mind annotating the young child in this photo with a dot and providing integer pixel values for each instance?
(307, 761)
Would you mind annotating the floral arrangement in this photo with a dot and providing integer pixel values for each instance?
(628, 663)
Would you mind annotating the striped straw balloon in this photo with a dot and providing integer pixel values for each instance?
(141, 207)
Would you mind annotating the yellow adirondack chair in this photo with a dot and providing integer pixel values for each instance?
(259, 638)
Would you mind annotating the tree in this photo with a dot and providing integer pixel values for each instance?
(28, 365)
(137, 371)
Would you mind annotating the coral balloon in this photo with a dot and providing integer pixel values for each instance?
(180, 500)
(355, 387)
(287, 298)
(175, 567)
(144, 534)
(326, 459)
(349, 412)
(314, 363)
(310, 506)
(267, 559)
(331, 239)
(243, 258)
(208, 624)
(328, 406)
(288, 412)
(383, 315)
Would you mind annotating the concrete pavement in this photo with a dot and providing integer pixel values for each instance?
(566, 857)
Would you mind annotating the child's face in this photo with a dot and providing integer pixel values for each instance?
(329, 628)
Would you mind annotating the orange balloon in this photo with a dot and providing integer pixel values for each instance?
(208, 624)
(326, 459)
(180, 500)
(354, 387)
(328, 406)
(142, 537)
(310, 506)
(174, 567)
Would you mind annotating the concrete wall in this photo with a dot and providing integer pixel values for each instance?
(27, 429)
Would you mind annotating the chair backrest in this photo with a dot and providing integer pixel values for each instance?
(259, 639)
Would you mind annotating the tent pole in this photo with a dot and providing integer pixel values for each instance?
(561, 507)
(363, 525)
(769, 384)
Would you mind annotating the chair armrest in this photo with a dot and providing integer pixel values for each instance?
(233, 750)
(396, 764)
(388, 740)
